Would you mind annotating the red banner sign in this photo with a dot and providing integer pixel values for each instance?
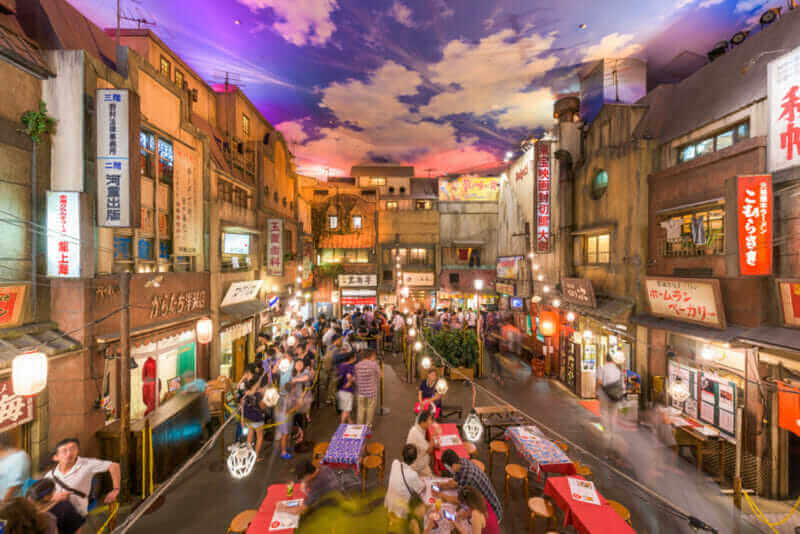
(788, 407)
(543, 188)
(12, 299)
(754, 213)
(14, 409)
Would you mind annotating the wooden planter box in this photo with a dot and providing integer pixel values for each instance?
(462, 373)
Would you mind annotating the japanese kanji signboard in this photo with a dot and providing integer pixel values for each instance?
(783, 97)
(542, 239)
(690, 300)
(789, 292)
(12, 302)
(275, 247)
(418, 279)
(508, 267)
(117, 163)
(578, 291)
(239, 292)
(63, 234)
(754, 214)
(358, 280)
(187, 202)
(14, 409)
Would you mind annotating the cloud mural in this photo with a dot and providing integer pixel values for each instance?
(445, 85)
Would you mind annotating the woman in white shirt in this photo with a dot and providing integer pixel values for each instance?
(403, 482)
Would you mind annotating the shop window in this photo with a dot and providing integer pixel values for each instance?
(418, 256)
(355, 222)
(178, 78)
(388, 276)
(377, 181)
(719, 141)
(599, 184)
(166, 160)
(391, 205)
(333, 222)
(597, 249)
(245, 125)
(161, 369)
(696, 232)
(164, 66)
(423, 205)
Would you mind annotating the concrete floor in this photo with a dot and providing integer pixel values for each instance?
(206, 497)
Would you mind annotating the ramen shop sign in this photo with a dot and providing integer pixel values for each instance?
(754, 214)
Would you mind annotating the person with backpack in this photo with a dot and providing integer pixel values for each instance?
(252, 406)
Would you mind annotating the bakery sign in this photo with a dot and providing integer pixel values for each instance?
(578, 291)
(691, 300)
(15, 410)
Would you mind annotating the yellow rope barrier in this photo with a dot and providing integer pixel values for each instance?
(113, 507)
(151, 462)
(761, 517)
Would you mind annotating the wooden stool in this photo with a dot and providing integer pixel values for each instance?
(320, 449)
(517, 472)
(621, 510)
(375, 448)
(499, 447)
(367, 464)
(315, 462)
(561, 445)
(479, 464)
(471, 449)
(583, 470)
(241, 522)
(540, 507)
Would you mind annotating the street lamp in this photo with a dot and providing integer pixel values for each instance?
(412, 332)
(570, 316)
(426, 363)
(478, 284)
(204, 331)
(418, 346)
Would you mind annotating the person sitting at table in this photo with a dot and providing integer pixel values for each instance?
(427, 394)
(318, 484)
(481, 516)
(467, 474)
(418, 436)
(416, 516)
(404, 482)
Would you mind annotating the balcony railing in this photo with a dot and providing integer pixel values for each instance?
(236, 214)
(686, 247)
(466, 267)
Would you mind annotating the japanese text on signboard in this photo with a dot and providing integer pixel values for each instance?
(113, 147)
(690, 300)
(543, 189)
(754, 195)
(783, 100)
(275, 247)
(63, 234)
(14, 409)
(187, 203)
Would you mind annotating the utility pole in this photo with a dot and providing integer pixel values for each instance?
(125, 383)
(118, 21)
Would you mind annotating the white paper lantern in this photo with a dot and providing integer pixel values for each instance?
(29, 373)
(205, 331)
(472, 427)
(412, 332)
(409, 321)
(241, 460)
(271, 396)
(426, 362)
(570, 316)
(285, 365)
(679, 391)
(418, 346)
(441, 386)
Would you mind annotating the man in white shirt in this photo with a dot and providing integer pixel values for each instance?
(417, 436)
(402, 481)
(73, 475)
(609, 377)
(397, 332)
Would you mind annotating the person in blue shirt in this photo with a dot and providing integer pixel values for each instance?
(427, 392)
(15, 468)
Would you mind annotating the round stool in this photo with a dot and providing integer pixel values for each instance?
(320, 449)
(517, 472)
(621, 510)
(583, 470)
(367, 464)
(497, 447)
(479, 464)
(375, 448)
(540, 507)
(241, 522)
(471, 449)
(315, 462)
(561, 445)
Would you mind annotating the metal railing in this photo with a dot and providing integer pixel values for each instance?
(686, 247)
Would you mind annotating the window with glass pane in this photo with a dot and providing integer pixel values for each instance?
(326, 256)
(377, 181)
(166, 160)
(603, 251)
(147, 148)
(706, 146)
(144, 249)
(164, 66)
(245, 124)
(391, 204)
(419, 256)
(179, 78)
(577, 250)
(724, 140)
(333, 222)
(687, 153)
(591, 249)
(355, 222)
(424, 204)
(402, 256)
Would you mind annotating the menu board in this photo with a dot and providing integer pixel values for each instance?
(583, 491)
(718, 403)
(353, 432)
(285, 520)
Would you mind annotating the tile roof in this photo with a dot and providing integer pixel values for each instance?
(351, 240)
(17, 48)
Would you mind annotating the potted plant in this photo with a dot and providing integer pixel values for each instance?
(459, 348)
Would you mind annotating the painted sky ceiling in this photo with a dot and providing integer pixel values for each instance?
(446, 85)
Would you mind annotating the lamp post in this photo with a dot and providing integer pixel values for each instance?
(478, 287)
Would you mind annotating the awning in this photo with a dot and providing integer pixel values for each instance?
(48, 341)
(358, 301)
(773, 337)
(245, 309)
(608, 309)
(692, 330)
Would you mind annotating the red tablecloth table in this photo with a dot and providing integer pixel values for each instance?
(587, 518)
(275, 494)
(446, 429)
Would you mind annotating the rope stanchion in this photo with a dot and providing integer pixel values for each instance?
(763, 518)
(113, 510)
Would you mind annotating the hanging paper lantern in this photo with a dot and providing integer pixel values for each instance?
(409, 321)
(472, 427)
(412, 332)
(241, 460)
(29, 373)
(426, 362)
(679, 391)
(570, 316)
(418, 346)
(204, 331)
(441, 386)
(271, 396)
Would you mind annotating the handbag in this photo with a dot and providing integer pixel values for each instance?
(411, 492)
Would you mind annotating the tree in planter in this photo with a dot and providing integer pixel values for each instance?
(459, 348)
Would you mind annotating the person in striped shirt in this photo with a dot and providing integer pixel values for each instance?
(368, 375)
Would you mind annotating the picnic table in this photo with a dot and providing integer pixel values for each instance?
(265, 517)
(447, 429)
(543, 455)
(496, 418)
(586, 518)
(346, 452)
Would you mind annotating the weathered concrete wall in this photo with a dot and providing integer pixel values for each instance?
(470, 222)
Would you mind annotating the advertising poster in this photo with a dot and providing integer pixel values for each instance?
(707, 412)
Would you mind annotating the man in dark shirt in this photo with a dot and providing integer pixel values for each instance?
(322, 482)
(465, 473)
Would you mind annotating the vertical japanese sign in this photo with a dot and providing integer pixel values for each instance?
(275, 247)
(542, 204)
(113, 158)
(14, 409)
(754, 214)
(63, 234)
(12, 301)
(187, 222)
(783, 88)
